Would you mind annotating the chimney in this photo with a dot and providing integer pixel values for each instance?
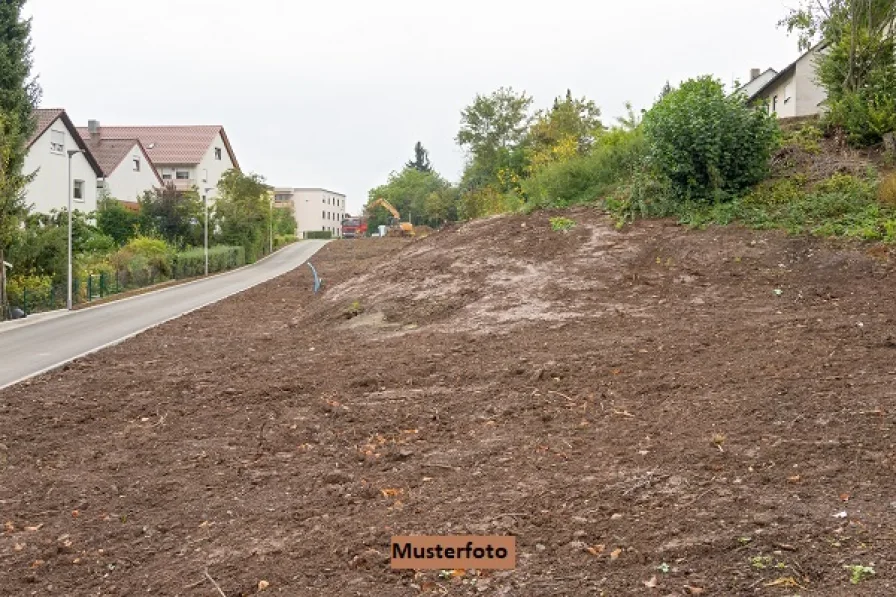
(754, 74)
(93, 127)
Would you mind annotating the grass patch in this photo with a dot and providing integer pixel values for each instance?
(562, 224)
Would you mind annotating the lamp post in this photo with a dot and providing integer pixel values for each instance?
(271, 218)
(205, 198)
(71, 152)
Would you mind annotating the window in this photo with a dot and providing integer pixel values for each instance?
(78, 190)
(775, 104)
(136, 164)
(57, 142)
(166, 175)
(217, 153)
(323, 215)
(204, 175)
(324, 228)
(183, 175)
(786, 94)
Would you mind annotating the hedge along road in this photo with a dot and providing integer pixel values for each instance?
(29, 349)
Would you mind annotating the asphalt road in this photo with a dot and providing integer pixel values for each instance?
(28, 348)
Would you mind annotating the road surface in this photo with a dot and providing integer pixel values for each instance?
(28, 349)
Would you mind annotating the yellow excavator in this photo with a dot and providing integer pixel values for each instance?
(396, 226)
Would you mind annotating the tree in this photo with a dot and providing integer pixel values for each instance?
(116, 221)
(858, 65)
(242, 212)
(19, 94)
(709, 146)
(566, 130)
(499, 120)
(174, 215)
(421, 159)
(410, 192)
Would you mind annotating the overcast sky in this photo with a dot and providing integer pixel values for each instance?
(335, 94)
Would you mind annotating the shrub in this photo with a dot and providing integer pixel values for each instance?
(562, 224)
(886, 191)
(30, 292)
(709, 146)
(612, 161)
(220, 258)
(318, 234)
(281, 240)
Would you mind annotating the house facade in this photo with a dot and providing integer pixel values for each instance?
(315, 209)
(794, 92)
(48, 157)
(185, 156)
(127, 170)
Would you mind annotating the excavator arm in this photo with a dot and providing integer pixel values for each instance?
(389, 207)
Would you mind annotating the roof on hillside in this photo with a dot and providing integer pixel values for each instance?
(169, 144)
(45, 118)
(110, 153)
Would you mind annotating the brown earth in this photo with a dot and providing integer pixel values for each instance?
(655, 411)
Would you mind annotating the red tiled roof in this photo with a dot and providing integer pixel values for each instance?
(169, 145)
(44, 117)
(109, 153)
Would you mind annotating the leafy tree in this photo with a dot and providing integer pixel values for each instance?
(174, 215)
(242, 212)
(19, 94)
(41, 246)
(493, 131)
(566, 130)
(666, 90)
(858, 65)
(411, 193)
(116, 221)
(708, 145)
(284, 222)
(421, 159)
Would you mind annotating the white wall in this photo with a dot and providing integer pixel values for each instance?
(49, 190)
(126, 184)
(213, 168)
(809, 92)
(311, 205)
(783, 89)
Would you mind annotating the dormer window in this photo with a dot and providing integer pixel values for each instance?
(217, 153)
(136, 164)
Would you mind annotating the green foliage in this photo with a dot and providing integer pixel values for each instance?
(615, 157)
(859, 573)
(318, 234)
(281, 240)
(567, 129)
(41, 247)
(423, 196)
(29, 290)
(421, 161)
(841, 206)
(116, 221)
(175, 216)
(284, 222)
(710, 147)
(243, 212)
(487, 201)
(807, 137)
(191, 263)
(560, 224)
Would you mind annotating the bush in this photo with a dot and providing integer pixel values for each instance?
(886, 191)
(281, 240)
(30, 292)
(864, 115)
(319, 234)
(613, 160)
(709, 146)
(220, 258)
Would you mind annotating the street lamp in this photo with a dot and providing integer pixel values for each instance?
(205, 198)
(71, 152)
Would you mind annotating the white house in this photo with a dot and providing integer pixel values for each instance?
(315, 209)
(794, 92)
(185, 156)
(758, 80)
(127, 171)
(53, 145)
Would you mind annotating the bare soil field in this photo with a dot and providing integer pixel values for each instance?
(653, 411)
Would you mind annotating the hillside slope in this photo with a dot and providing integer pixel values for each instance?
(650, 411)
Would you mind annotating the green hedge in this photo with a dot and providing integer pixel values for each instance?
(319, 234)
(222, 257)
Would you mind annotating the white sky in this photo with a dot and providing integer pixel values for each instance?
(335, 94)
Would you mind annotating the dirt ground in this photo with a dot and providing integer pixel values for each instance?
(653, 411)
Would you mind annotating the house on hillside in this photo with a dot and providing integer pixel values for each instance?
(758, 80)
(63, 165)
(315, 209)
(793, 92)
(184, 156)
(127, 170)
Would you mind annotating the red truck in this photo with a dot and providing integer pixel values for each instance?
(354, 227)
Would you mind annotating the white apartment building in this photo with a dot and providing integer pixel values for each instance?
(315, 209)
